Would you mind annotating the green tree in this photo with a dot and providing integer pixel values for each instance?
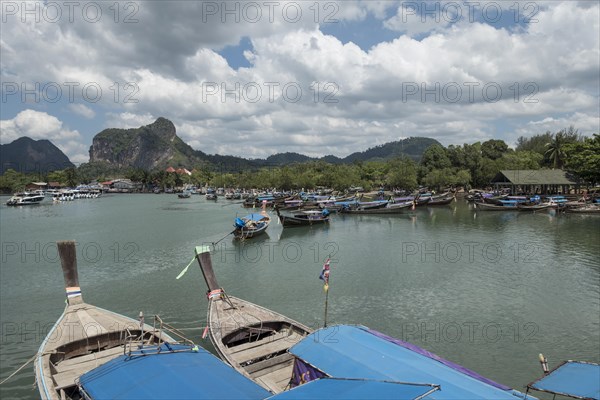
(13, 181)
(536, 143)
(521, 160)
(57, 176)
(493, 149)
(583, 159)
(462, 178)
(473, 162)
(71, 177)
(402, 174)
(456, 155)
(435, 157)
(555, 148)
(437, 179)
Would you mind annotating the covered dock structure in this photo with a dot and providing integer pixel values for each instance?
(536, 181)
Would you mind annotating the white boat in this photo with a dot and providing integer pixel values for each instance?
(26, 198)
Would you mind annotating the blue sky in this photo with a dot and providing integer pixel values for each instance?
(256, 78)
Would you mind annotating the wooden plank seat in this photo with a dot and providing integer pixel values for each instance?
(266, 366)
(265, 347)
(69, 370)
(99, 356)
(254, 343)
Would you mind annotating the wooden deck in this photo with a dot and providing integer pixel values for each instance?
(69, 370)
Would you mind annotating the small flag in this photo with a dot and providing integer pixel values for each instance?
(325, 274)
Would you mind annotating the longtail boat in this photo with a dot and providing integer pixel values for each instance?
(588, 209)
(252, 224)
(252, 339)
(389, 208)
(534, 207)
(84, 337)
(304, 218)
(440, 201)
(494, 207)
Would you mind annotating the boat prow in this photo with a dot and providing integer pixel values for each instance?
(252, 339)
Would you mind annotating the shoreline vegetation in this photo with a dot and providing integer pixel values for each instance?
(467, 166)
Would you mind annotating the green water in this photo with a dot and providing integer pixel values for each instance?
(486, 290)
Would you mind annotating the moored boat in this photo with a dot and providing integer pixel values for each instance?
(26, 199)
(252, 224)
(587, 209)
(441, 200)
(83, 338)
(304, 218)
(211, 194)
(252, 339)
(533, 207)
(494, 207)
(388, 208)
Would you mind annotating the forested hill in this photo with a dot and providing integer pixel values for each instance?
(28, 155)
(157, 146)
(412, 147)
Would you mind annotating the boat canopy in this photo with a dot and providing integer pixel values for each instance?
(335, 388)
(176, 373)
(254, 217)
(576, 379)
(359, 352)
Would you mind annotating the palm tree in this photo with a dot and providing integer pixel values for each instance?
(555, 149)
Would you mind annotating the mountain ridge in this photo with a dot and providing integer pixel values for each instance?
(157, 146)
(28, 155)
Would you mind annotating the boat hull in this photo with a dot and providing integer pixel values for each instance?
(247, 233)
(584, 210)
(439, 202)
(493, 207)
(291, 221)
(25, 200)
(390, 209)
(534, 208)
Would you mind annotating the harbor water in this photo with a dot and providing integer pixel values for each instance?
(488, 290)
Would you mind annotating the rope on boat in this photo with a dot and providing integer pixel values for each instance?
(185, 269)
(23, 366)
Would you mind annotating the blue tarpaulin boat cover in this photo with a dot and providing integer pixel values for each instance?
(344, 351)
(254, 217)
(169, 375)
(348, 389)
(575, 379)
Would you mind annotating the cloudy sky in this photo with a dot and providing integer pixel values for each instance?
(255, 78)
